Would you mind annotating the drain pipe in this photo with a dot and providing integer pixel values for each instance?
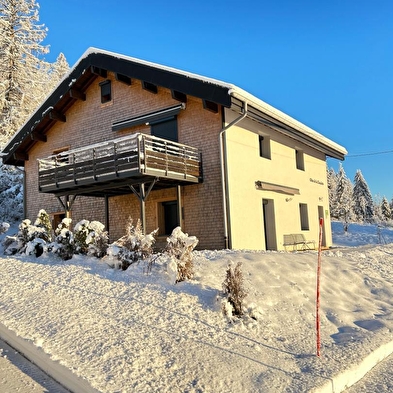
(223, 163)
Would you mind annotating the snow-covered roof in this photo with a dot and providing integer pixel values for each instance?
(206, 88)
(234, 91)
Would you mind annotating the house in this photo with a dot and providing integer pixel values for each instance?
(120, 137)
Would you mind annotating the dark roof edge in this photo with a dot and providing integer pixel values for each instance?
(171, 78)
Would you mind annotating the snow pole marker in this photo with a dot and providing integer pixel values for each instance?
(318, 320)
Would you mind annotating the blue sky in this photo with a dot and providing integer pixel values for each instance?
(328, 64)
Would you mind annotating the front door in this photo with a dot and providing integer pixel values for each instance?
(269, 224)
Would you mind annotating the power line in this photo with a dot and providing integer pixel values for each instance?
(369, 154)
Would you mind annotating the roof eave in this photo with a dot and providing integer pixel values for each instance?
(187, 83)
(292, 127)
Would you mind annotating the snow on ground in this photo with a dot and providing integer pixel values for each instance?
(132, 331)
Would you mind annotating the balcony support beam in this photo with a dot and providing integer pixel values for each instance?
(67, 204)
(179, 206)
(142, 196)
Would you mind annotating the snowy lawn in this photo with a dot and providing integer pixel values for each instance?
(126, 331)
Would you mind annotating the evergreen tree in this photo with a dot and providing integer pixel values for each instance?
(25, 77)
(386, 210)
(377, 206)
(59, 69)
(363, 201)
(344, 198)
(332, 187)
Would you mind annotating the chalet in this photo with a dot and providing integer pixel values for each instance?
(120, 137)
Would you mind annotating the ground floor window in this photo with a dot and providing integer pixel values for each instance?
(168, 217)
(303, 217)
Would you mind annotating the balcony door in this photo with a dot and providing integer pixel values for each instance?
(165, 128)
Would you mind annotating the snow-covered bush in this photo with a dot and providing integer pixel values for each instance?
(26, 240)
(81, 231)
(179, 248)
(133, 246)
(64, 244)
(11, 194)
(90, 238)
(97, 239)
(43, 221)
(4, 227)
(233, 287)
(28, 233)
(36, 247)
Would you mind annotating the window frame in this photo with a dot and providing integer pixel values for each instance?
(304, 219)
(299, 157)
(106, 96)
(264, 147)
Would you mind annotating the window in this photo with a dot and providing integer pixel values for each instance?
(303, 217)
(264, 146)
(168, 218)
(299, 160)
(165, 128)
(106, 91)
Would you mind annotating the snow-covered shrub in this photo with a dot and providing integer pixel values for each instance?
(97, 239)
(179, 248)
(81, 231)
(233, 287)
(30, 239)
(36, 247)
(4, 226)
(43, 221)
(133, 246)
(90, 238)
(29, 233)
(64, 245)
(11, 194)
(10, 245)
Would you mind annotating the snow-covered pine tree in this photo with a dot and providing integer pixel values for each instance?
(25, 77)
(385, 210)
(332, 188)
(43, 221)
(362, 199)
(58, 70)
(344, 198)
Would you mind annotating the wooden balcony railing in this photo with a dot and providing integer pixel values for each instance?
(131, 157)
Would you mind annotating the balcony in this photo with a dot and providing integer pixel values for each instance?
(111, 167)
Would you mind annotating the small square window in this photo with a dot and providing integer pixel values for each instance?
(304, 225)
(299, 160)
(106, 91)
(264, 147)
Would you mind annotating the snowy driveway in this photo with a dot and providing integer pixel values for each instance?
(17, 374)
(378, 380)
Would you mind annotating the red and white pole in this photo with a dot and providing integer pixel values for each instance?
(318, 321)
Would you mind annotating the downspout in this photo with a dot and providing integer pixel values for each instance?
(224, 173)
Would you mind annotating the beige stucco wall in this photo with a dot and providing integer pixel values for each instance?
(245, 201)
